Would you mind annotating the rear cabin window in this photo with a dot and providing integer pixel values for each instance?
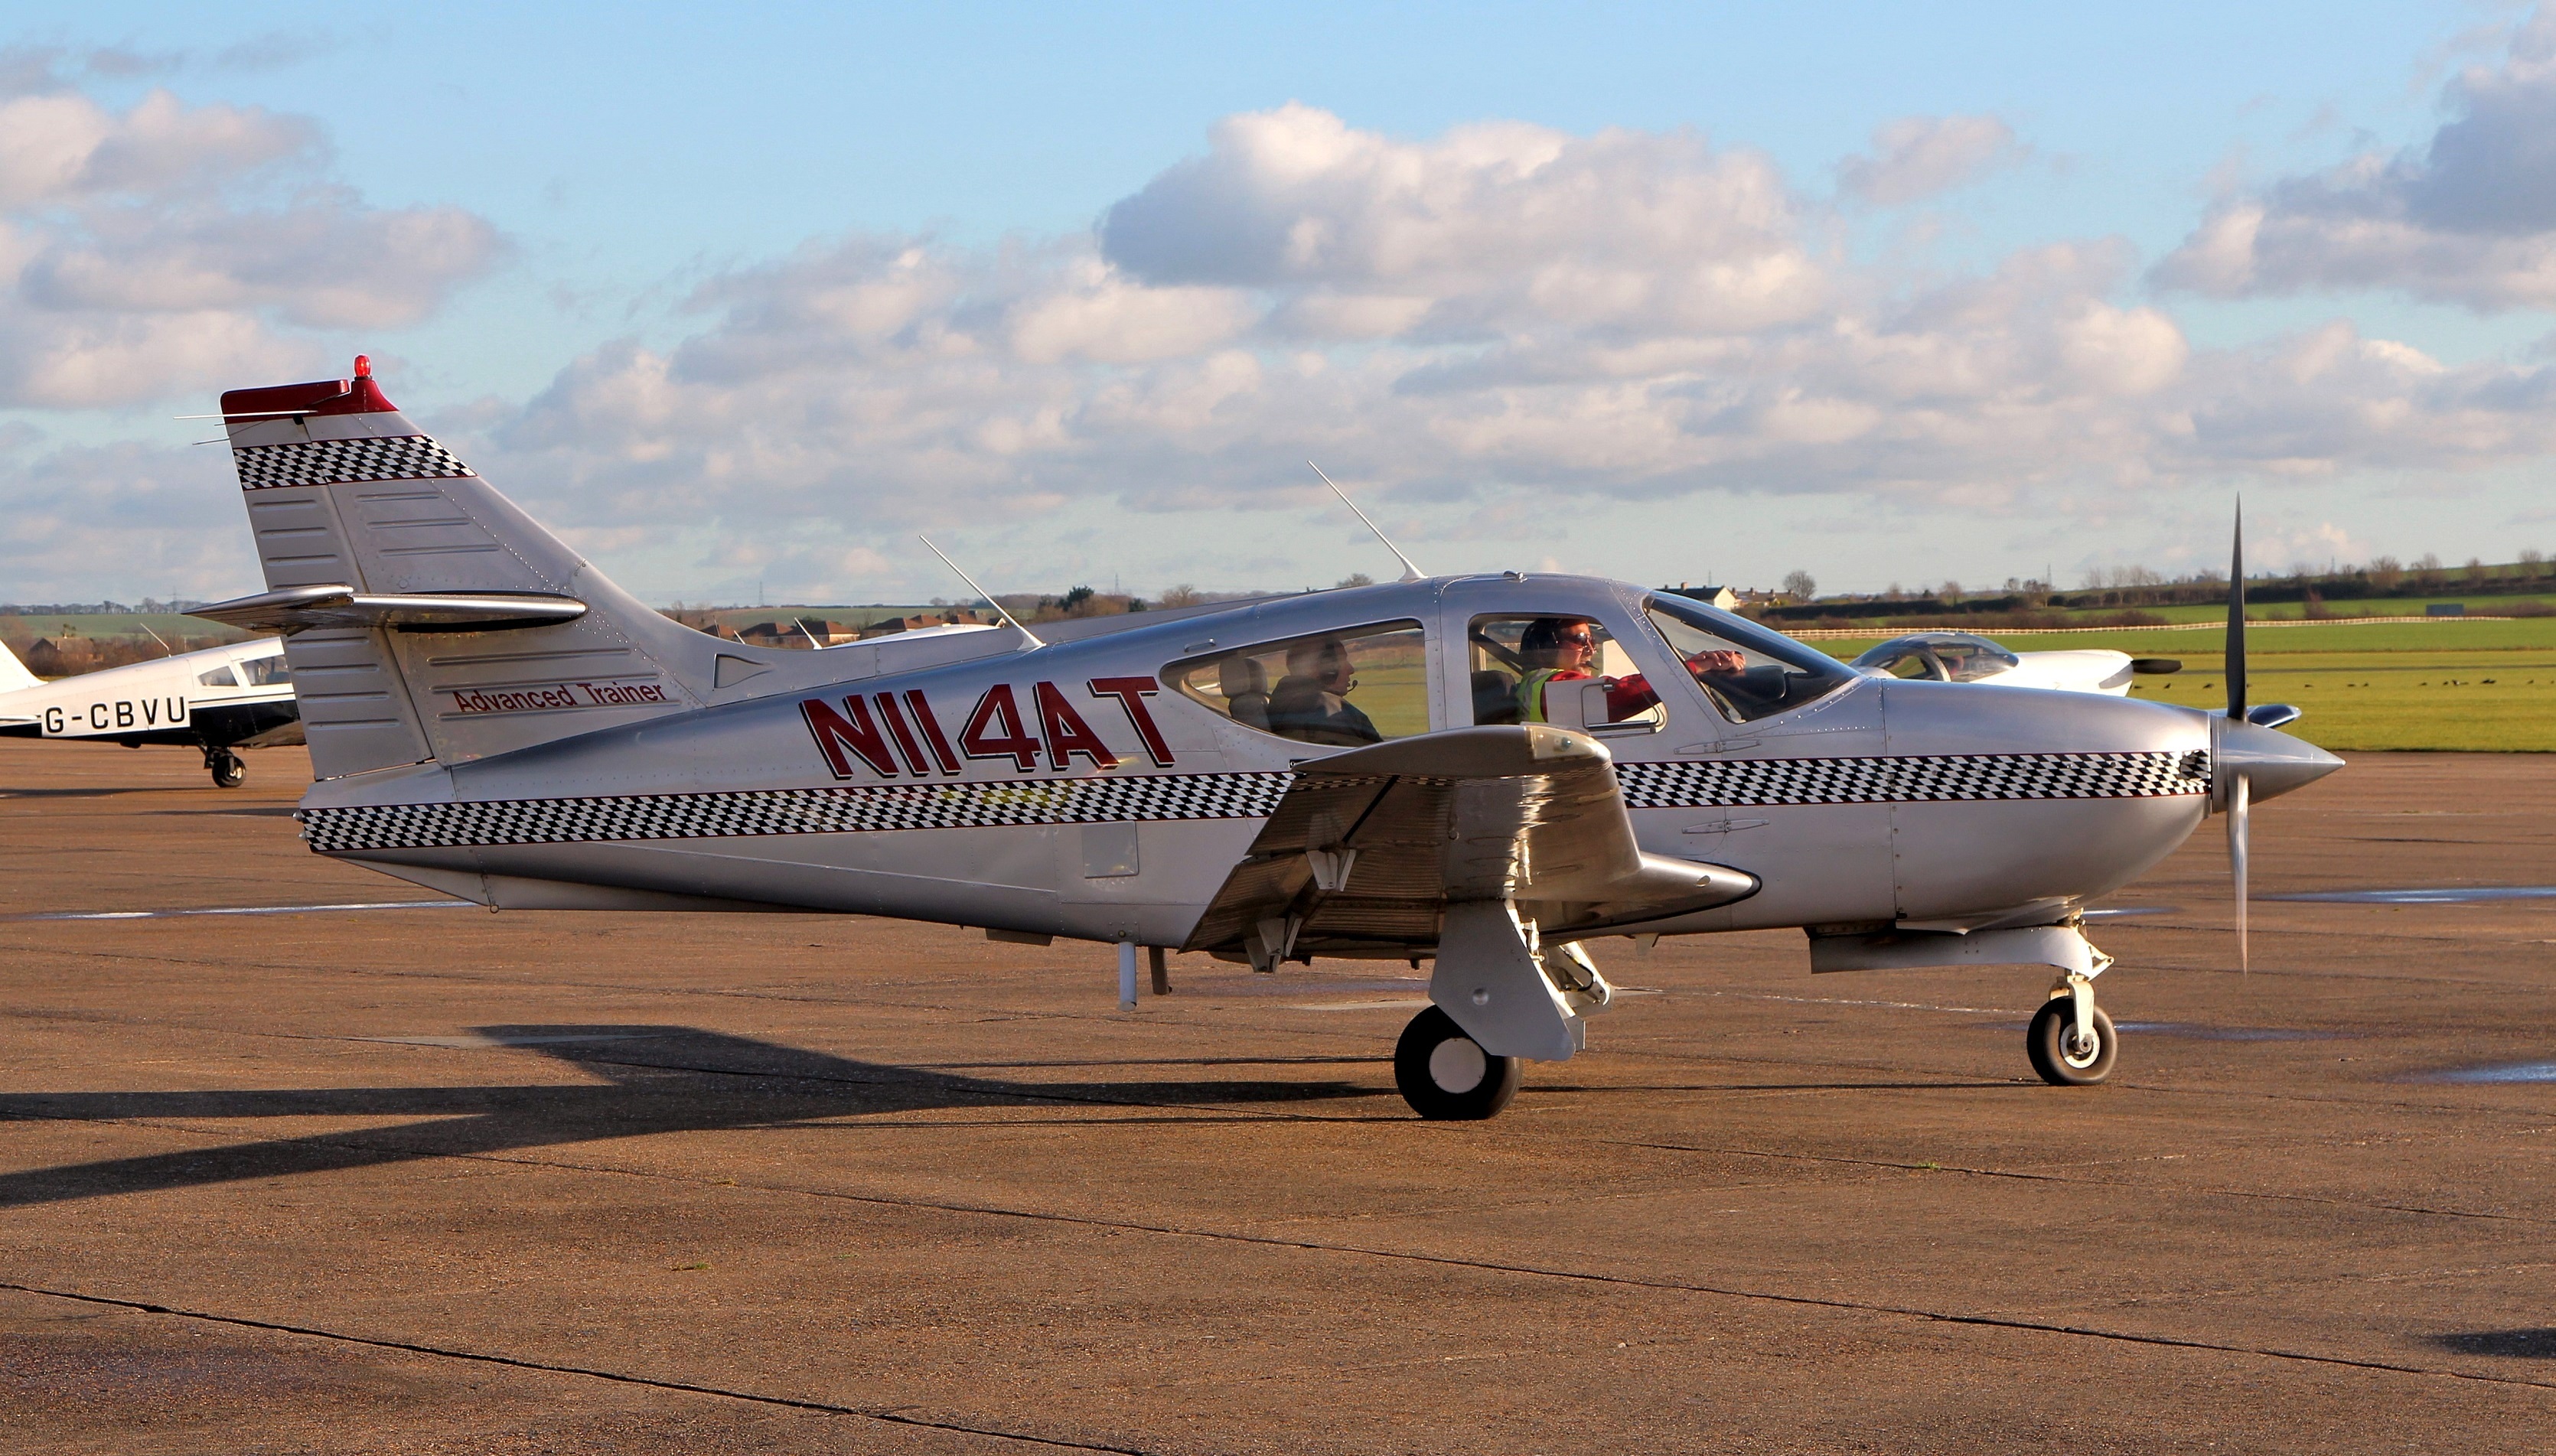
(1522, 666)
(1747, 670)
(1343, 688)
(218, 677)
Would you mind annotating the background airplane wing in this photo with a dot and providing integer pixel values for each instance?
(1368, 848)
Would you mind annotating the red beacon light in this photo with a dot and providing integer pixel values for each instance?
(363, 366)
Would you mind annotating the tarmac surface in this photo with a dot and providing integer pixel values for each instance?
(431, 1179)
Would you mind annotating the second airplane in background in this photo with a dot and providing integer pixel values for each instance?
(216, 701)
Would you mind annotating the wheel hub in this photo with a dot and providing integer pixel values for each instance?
(1457, 1064)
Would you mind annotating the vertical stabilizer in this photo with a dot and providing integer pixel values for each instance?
(342, 490)
(14, 673)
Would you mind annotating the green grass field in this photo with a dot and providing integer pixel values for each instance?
(2455, 687)
(2485, 606)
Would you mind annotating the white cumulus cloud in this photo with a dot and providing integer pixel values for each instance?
(168, 247)
(2469, 217)
(1476, 326)
(1918, 156)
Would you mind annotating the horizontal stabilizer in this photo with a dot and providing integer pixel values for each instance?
(303, 608)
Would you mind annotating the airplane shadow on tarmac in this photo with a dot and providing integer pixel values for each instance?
(658, 1079)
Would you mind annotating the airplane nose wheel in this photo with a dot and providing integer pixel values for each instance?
(1445, 1076)
(227, 769)
(2060, 1054)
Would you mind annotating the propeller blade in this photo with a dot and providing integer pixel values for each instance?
(2236, 798)
(2236, 621)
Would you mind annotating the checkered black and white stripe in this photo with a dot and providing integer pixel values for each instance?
(852, 811)
(1915, 779)
(848, 811)
(327, 461)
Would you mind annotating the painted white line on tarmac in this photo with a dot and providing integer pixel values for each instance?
(246, 909)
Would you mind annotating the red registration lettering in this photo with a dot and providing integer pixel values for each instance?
(1131, 694)
(994, 731)
(1067, 733)
(931, 730)
(834, 733)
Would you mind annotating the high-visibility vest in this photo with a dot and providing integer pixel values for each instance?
(1531, 693)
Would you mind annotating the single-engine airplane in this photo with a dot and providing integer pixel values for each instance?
(1962, 657)
(217, 700)
(1433, 769)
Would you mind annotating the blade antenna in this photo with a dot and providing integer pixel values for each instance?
(980, 591)
(2239, 790)
(1410, 571)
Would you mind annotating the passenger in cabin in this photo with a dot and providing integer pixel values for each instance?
(1565, 650)
(1310, 703)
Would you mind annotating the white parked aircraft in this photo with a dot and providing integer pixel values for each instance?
(1961, 656)
(217, 702)
(1487, 771)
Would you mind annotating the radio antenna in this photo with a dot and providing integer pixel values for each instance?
(980, 591)
(1410, 571)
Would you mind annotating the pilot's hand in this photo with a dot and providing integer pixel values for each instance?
(1716, 663)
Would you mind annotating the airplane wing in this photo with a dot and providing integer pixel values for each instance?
(1369, 848)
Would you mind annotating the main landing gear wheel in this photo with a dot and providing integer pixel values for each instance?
(227, 769)
(1445, 1076)
(2057, 1054)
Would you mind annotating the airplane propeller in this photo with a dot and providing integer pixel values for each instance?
(2238, 787)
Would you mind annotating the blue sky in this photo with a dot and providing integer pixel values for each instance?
(572, 208)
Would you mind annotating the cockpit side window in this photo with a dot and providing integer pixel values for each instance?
(1569, 669)
(265, 672)
(1343, 688)
(1748, 671)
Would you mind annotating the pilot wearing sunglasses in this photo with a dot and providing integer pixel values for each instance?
(1562, 648)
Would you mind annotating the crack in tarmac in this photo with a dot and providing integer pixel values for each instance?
(988, 1210)
(2165, 1190)
(893, 1415)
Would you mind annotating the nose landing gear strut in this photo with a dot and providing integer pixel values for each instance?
(2071, 1041)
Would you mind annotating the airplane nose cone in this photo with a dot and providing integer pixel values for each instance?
(2273, 762)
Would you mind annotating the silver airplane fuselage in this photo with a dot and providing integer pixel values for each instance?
(1483, 771)
(1881, 802)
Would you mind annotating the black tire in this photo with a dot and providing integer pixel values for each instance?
(229, 771)
(2047, 1040)
(1423, 1074)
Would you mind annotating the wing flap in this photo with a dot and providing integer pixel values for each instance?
(1369, 847)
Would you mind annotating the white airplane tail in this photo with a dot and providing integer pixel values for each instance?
(344, 492)
(14, 673)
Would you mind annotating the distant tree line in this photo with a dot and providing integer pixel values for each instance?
(2127, 589)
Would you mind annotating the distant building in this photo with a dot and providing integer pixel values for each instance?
(955, 617)
(799, 631)
(1711, 596)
